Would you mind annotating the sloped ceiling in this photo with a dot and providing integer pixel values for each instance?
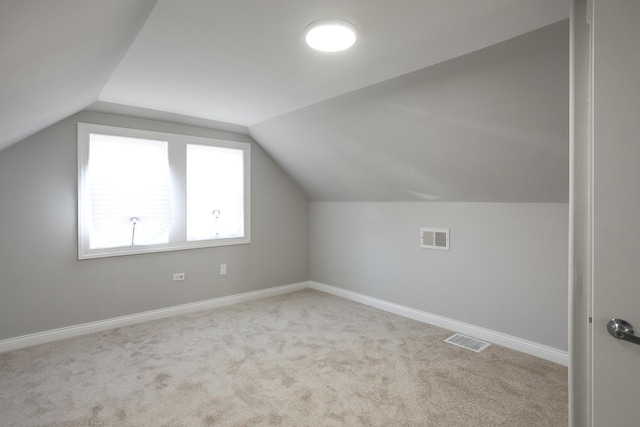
(489, 126)
(381, 121)
(57, 55)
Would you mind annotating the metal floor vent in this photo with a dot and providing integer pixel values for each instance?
(467, 342)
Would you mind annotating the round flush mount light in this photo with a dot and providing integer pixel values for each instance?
(331, 35)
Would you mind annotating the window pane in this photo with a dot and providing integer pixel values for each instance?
(128, 178)
(215, 192)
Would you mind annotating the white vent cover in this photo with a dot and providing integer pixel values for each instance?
(467, 342)
(434, 238)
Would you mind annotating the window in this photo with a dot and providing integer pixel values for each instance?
(142, 191)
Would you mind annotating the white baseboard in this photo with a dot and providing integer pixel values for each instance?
(529, 347)
(514, 343)
(118, 322)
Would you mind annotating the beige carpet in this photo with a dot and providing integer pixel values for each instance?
(302, 359)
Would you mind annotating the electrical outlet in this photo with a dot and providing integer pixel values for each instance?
(178, 276)
(223, 269)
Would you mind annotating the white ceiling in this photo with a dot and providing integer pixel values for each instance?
(244, 62)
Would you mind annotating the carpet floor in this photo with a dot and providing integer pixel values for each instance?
(301, 359)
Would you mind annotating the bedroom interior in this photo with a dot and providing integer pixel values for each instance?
(352, 153)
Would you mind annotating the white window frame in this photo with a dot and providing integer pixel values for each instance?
(84, 195)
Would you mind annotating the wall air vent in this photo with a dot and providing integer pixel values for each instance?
(434, 238)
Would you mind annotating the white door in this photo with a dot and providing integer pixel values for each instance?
(616, 209)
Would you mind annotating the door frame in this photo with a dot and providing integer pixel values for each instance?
(581, 192)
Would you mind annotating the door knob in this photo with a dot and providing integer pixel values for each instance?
(623, 330)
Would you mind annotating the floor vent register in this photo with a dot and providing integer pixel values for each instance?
(467, 342)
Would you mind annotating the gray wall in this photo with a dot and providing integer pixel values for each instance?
(506, 270)
(42, 284)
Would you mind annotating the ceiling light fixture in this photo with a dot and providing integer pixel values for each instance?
(330, 35)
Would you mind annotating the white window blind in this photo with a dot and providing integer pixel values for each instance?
(215, 183)
(130, 191)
